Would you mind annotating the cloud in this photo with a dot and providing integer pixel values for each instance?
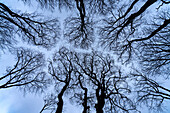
(5, 100)
(13, 101)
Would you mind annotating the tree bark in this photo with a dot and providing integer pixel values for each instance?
(60, 99)
(100, 100)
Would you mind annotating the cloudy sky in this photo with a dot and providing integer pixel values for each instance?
(14, 101)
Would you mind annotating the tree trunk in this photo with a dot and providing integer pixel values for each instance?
(100, 101)
(60, 99)
(85, 101)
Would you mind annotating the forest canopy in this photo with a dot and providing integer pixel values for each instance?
(105, 56)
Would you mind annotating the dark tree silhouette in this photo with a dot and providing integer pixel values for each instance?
(27, 72)
(105, 82)
(30, 27)
(80, 34)
(156, 51)
(49, 103)
(93, 80)
(150, 92)
(120, 31)
(34, 30)
(128, 28)
(61, 70)
(135, 36)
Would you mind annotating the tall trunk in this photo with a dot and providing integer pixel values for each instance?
(60, 99)
(85, 110)
(85, 101)
(100, 100)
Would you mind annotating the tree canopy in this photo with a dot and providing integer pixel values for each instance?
(104, 38)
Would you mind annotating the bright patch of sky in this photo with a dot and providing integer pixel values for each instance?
(13, 101)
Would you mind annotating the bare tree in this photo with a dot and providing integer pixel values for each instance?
(122, 29)
(27, 72)
(129, 28)
(31, 27)
(50, 102)
(155, 51)
(130, 33)
(109, 87)
(61, 70)
(80, 29)
(93, 79)
(150, 92)
(81, 35)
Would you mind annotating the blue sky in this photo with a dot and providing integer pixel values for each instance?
(12, 100)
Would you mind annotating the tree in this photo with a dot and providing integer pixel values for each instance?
(155, 52)
(132, 34)
(129, 29)
(81, 34)
(92, 79)
(109, 87)
(27, 72)
(126, 29)
(121, 33)
(33, 30)
(62, 76)
(30, 27)
(150, 92)
(121, 27)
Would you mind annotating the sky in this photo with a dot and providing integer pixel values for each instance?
(13, 100)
